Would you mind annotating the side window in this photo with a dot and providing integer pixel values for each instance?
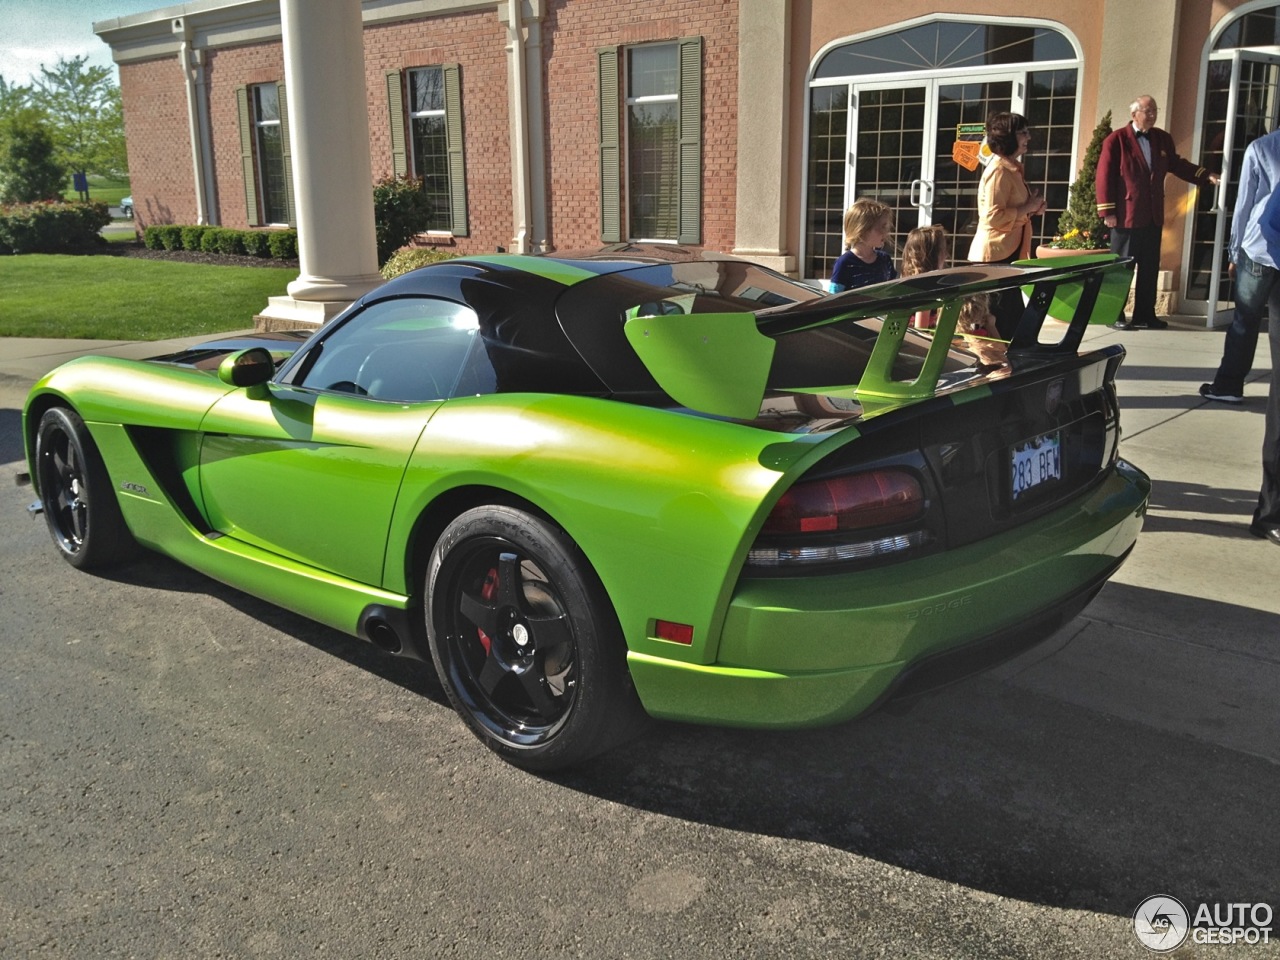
(650, 113)
(425, 106)
(264, 154)
(406, 351)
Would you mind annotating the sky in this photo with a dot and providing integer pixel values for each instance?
(35, 32)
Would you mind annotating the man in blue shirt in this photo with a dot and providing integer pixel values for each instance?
(1266, 516)
(1255, 265)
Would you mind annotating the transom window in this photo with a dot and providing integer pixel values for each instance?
(945, 45)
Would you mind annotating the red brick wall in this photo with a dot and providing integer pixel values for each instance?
(156, 134)
(159, 144)
(476, 41)
(573, 31)
(228, 69)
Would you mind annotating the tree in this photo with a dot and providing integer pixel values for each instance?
(12, 98)
(1080, 227)
(29, 166)
(83, 106)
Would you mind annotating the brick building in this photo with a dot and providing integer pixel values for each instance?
(738, 125)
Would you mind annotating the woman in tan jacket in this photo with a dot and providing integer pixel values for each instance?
(1005, 208)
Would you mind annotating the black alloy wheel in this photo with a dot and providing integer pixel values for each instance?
(79, 505)
(524, 641)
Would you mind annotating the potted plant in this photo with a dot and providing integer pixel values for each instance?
(1080, 229)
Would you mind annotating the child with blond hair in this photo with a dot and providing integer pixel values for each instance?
(866, 227)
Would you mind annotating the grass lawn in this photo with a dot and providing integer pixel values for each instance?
(107, 190)
(121, 298)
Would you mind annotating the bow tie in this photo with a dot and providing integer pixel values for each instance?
(1144, 134)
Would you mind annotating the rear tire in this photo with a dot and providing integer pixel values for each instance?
(525, 641)
(79, 504)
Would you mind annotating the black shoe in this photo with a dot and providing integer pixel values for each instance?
(1210, 392)
(1155, 323)
(1265, 533)
(1123, 324)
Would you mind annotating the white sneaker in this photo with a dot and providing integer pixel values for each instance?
(1209, 393)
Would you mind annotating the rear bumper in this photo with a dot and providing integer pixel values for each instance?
(796, 653)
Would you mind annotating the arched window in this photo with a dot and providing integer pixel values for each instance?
(887, 110)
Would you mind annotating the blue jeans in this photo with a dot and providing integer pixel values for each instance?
(1268, 512)
(1256, 290)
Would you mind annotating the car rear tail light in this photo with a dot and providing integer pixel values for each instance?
(835, 519)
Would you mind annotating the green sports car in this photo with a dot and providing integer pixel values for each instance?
(594, 488)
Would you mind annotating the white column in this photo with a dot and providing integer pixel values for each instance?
(332, 172)
(764, 59)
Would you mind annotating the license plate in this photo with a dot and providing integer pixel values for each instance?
(1035, 462)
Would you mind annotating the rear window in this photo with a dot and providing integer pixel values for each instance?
(593, 312)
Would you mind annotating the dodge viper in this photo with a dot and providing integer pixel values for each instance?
(592, 489)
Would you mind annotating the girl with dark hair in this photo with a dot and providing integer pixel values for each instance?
(1005, 208)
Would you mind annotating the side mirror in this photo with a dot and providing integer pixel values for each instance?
(247, 368)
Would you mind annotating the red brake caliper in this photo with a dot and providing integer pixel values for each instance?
(487, 593)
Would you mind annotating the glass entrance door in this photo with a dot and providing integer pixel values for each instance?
(1242, 103)
(894, 142)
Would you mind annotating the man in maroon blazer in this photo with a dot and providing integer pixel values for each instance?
(1130, 185)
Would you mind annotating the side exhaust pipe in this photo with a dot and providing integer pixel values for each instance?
(384, 627)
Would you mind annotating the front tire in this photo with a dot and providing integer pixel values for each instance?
(80, 507)
(525, 641)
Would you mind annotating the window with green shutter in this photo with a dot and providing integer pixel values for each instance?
(427, 141)
(264, 154)
(661, 102)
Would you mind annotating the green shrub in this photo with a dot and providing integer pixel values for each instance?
(151, 238)
(171, 237)
(411, 258)
(255, 243)
(208, 239)
(231, 242)
(283, 244)
(52, 227)
(191, 237)
(221, 240)
(400, 209)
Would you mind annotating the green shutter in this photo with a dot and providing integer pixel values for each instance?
(610, 162)
(246, 158)
(457, 157)
(395, 107)
(290, 209)
(690, 140)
